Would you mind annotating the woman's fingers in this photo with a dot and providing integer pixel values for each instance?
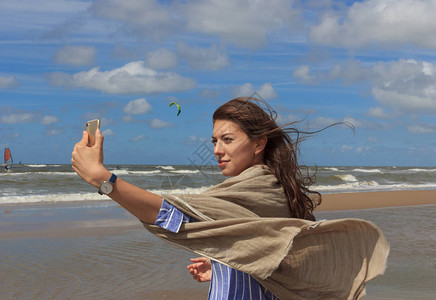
(85, 137)
(199, 259)
(99, 138)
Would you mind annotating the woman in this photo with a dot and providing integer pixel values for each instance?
(248, 223)
(240, 120)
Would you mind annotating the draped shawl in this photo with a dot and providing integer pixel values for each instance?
(245, 223)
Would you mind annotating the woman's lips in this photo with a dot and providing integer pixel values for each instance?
(222, 163)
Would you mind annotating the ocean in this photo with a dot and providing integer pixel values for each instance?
(26, 184)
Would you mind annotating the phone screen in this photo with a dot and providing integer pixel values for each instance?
(91, 127)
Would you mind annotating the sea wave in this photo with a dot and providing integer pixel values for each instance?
(51, 198)
(185, 191)
(186, 171)
(331, 169)
(347, 177)
(36, 166)
(372, 186)
(421, 170)
(165, 167)
(367, 170)
(85, 197)
(33, 174)
(127, 172)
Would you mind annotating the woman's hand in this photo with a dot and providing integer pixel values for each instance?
(201, 269)
(88, 161)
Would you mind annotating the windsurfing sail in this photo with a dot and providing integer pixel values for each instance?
(8, 159)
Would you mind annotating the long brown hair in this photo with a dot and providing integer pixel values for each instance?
(280, 153)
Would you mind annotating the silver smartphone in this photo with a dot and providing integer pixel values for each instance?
(91, 127)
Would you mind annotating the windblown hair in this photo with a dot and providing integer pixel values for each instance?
(280, 153)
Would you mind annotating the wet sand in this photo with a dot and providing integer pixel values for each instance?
(351, 201)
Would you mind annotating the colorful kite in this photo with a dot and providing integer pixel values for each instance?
(179, 110)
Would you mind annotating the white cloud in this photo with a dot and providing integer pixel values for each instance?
(365, 124)
(379, 21)
(76, 55)
(156, 123)
(144, 17)
(53, 131)
(421, 129)
(108, 132)
(303, 73)
(193, 139)
(346, 148)
(138, 138)
(11, 115)
(199, 58)
(162, 59)
(372, 139)
(265, 91)
(321, 122)
(127, 119)
(289, 118)
(350, 72)
(240, 22)
(408, 103)
(380, 113)
(30, 15)
(107, 121)
(17, 118)
(244, 90)
(209, 93)
(353, 121)
(131, 78)
(244, 23)
(47, 120)
(8, 81)
(406, 86)
(137, 107)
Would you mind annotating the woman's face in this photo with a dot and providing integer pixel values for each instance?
(233, 149)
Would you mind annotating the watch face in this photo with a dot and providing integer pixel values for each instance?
(106, 188)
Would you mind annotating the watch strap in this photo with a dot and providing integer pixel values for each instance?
(113, 178)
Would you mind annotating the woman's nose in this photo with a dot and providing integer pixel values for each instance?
(218, 149)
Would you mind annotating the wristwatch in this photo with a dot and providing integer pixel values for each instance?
(106, 187)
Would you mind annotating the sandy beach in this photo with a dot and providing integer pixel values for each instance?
(68, 251)
(367, 200)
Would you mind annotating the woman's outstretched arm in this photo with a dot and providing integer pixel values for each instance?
(88, 163)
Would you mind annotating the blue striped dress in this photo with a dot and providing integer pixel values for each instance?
(226, 283)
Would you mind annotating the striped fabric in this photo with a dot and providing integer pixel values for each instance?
(170, 218)
(227, 283)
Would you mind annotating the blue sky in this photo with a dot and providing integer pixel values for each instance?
(371, 63)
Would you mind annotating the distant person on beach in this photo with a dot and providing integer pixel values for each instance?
(257, 228)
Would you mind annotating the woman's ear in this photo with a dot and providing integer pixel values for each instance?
(260, 145)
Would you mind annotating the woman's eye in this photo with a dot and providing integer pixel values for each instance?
(228, 140)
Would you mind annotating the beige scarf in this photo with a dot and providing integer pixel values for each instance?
(246, 224)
